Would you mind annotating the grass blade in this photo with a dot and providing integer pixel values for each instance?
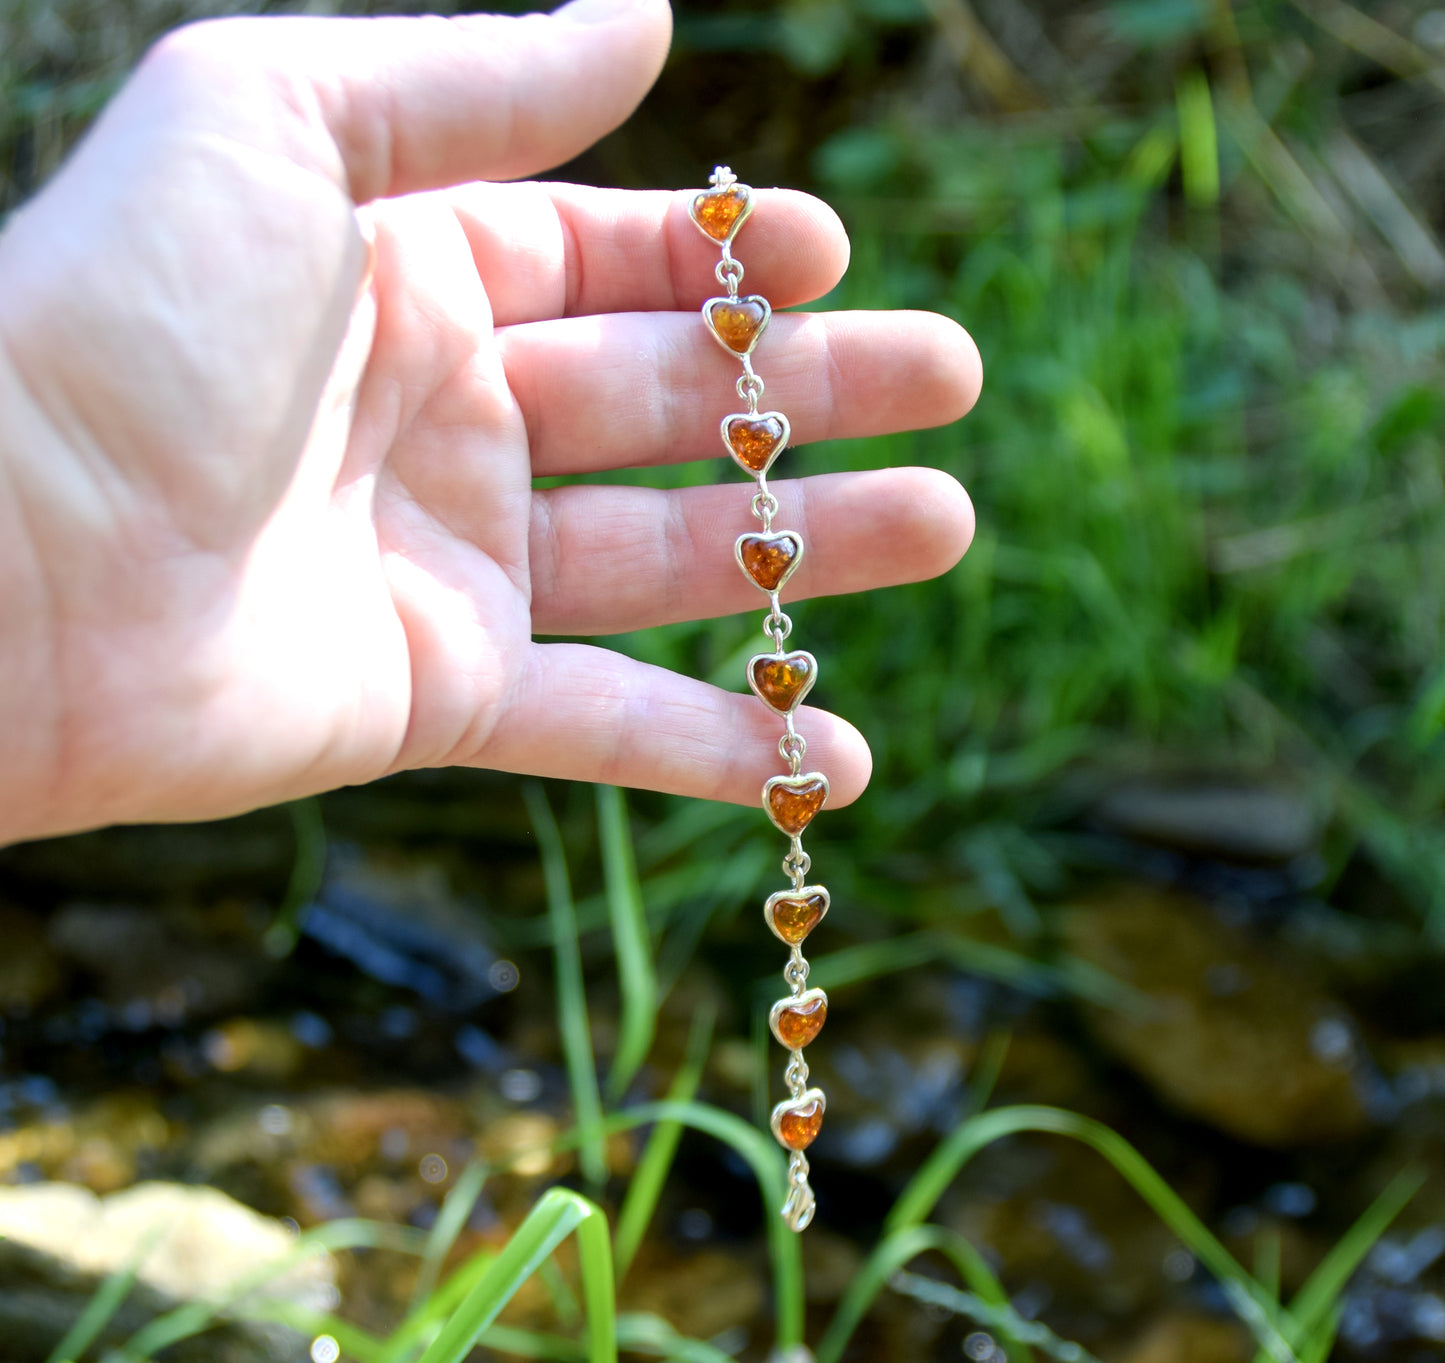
(647, 1181)
(632, 942)
(1312, 1303)
(1002, 1320)
(642, 1333)
(101, 1308)
(1271, 1324)
(422, 1323)
(638, 1333)
(509, 1339)
(575, 1030)
(193, 1317)
(769, 1167)
(557, 1214)
(450, 1219)
(892, 1252)
(307, 871)
(355, 1343)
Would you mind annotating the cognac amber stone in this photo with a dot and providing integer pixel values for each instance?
(769, 559)
(715, 211)
(755, 440)
(783, 681)
(793, 801)
(798, 1025)
(795, 916)
(798, 1127)
(737, 322)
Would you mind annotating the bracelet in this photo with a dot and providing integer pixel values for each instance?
(780, 679)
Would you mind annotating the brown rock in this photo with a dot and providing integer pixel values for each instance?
(1181, 1337)
(1226, 1032)
(29, 970)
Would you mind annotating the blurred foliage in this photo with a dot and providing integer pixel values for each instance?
(1197, 243)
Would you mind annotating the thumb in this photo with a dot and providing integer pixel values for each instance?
(391, 105)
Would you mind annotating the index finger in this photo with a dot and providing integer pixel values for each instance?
(559, 250)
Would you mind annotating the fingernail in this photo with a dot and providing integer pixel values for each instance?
(594, 11)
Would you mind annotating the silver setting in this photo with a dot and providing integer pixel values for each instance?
(714, 303)
(792, 536)
(787, 435)
(796, 655)
(803, 1098)
(793, 782)
(797, 1211)
(806, 1001)
(797, 892)
(722, 181)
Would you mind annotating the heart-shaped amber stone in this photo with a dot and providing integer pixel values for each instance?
(783, 679)
(755, 441)
(770, 560)
(793, 914)
(793, 801)
(721, 212)
(796, 1123)
(737, 322)
(795, 1022)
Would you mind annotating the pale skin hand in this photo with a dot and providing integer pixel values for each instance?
(267, 523)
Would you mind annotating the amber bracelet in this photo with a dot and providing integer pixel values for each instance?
(780, 679)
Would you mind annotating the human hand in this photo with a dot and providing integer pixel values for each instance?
(268, 524)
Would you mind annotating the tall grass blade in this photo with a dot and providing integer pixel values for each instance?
(557, 1214)
(572, 1023)
(564, 1301)
(509, 1339)
(637, 1333)
(452, 1217)
(101, 1308)
(895, 1250)
(422, 1323)
(1314, 1301)
(641, 1333)
(192, 1318)
(648, 1178)
(632, 942)
(1002, 1320)
(769, 1167)
(1270, 1323)
(357, 1345)
(307, 870)
(1198, 140)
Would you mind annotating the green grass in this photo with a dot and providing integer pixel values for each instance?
(450, 1316)
(1211, 537)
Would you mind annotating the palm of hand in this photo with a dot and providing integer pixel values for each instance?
(276, 490)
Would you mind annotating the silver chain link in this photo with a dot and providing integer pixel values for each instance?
(799, 1208)
(797, 1211)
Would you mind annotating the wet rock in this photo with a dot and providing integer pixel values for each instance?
(1233, 820)
(700, 1294)
(204, 1241)
(190, 1243)
(1183, 1337)
(402, 926)
(101, 1146)
(30, 971)
(1227, 1033)
(41, 1297)
(390, 1155)
(160, 863)
(151, 971)
(1051, 1211)
(255, 1046)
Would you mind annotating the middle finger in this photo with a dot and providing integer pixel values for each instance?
(626, 390)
